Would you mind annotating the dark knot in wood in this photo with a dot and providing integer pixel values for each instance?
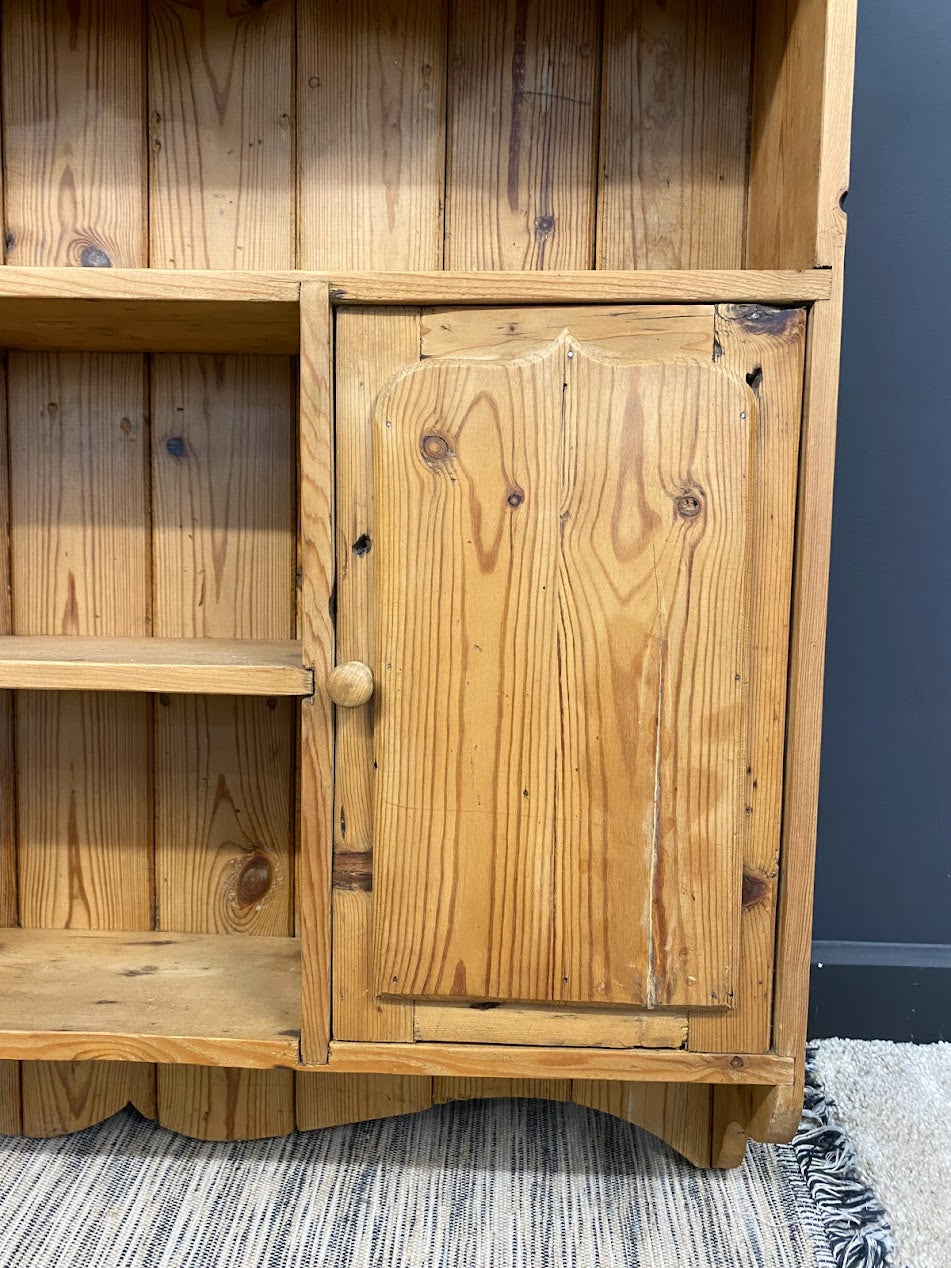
(254, 879)
(515, 498)
(689, 505)
(435, 448)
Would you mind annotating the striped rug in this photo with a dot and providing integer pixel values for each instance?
(483, 1184)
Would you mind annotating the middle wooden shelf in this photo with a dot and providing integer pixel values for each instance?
(206, 666)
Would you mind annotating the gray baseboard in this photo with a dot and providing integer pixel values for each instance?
(880, 990)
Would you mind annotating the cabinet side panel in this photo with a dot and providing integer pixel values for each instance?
(222, 195)
(73, 142)
(371, 78)
(522, 134)
(675, 98)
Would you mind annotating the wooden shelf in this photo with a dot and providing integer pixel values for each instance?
(206, 666)
(193, 310)
(205, 999)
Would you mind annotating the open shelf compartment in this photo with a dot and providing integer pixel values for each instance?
(205, 999)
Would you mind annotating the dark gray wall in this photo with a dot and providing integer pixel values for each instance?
(884, 865)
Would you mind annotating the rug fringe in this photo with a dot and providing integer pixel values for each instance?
(855, 1222)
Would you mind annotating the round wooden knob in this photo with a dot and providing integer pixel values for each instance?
(350, 685)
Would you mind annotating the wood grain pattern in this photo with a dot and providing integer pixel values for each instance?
(449, 1089)
(74, 176)
(221, 134)
(250, 667)
(652, 286)
(551, 1027)
(678, 1113)
(755, 343)
(371, 119)
(393, 334)
(222, 195)
(326, 1100)
(522, 127)
(486, 910)
(512, 1061)
(222, 1001)
(225, 1104)
(73, 106)
(675, 97)
(315, 628)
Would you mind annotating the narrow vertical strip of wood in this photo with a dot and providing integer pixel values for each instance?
(316, 632)
(771, 361)
(522, 135)
(371, 143)
(675, 99)
(222, 195)
(73, 125)
(10, 1119)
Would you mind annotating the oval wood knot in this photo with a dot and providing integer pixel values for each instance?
(351, 684)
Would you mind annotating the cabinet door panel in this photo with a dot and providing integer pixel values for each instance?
(562, 556)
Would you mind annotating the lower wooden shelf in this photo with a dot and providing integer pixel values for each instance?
(209, 666)
(203, 999)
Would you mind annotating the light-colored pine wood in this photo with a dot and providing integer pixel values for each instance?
(766, 348)
(316, 632)
(10, 1116)
(250, 667)
(679, 1113)
(675, 99)
(511, 1061)
(221, 134)
(359, 1013)
(482, 1089)
(149, 996)
(394, 336)
(66, 1096)
(371, 119)
(74, 162)
(226, 1104)
(518, 926)
(659, 333)
(222, 196)
(350, 685)
(552, 1027)
(74, 175)
(522, 127)
(326, 1100)
(654, 286)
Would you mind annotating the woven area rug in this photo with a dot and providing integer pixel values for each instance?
(498, 1184)
(483, 1184)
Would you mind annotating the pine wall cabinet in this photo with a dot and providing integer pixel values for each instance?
(414, 518)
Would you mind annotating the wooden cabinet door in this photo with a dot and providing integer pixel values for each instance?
(566, 505)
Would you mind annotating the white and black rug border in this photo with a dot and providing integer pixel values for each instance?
(855, 1222)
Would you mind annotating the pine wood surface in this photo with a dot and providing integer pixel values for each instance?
(258, 667)
(168, 997)
(253, 141)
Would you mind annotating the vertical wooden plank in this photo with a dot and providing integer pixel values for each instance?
(222, 195)
(10, 1120)
(679, 1113)
(831, 25)
(316, 632)
(450, 1089)
(221, 129)
(755, 343)
(675, 98)
(371, 134)
(393, 334)
(522, 143)
(327, 1100)
(73, 129)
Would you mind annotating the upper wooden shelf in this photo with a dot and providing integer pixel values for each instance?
(185, 310)
(207, 999)
(206, 666)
